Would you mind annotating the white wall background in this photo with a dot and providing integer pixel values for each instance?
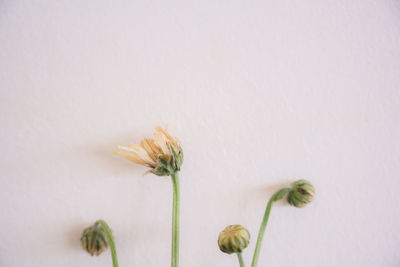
(259, 93)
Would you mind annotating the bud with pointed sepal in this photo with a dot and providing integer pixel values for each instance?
(233, 239)
(301, 193)
(94, 239)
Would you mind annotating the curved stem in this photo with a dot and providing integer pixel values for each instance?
(277, 196)
(175, 221)
(110, 241)
(240, 258)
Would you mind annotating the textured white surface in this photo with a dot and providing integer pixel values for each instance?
(259, 93)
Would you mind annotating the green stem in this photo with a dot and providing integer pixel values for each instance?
(110, 241)
(275, 197)
(240, 258)
(175, 221)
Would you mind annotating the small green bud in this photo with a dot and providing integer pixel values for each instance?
(94, 239)
(233, 239)
(301, 193)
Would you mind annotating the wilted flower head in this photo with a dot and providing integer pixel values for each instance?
(301, 193)
(162, 154)
(94, 239)
(233, 239)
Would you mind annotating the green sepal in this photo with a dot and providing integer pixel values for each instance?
(94, 239)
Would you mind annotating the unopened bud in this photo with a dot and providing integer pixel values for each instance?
(301, 193)
(94, 239)
(233, 239)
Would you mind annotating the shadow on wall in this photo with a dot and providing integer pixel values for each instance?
(110, 164)
(74, 235)
(269, 190)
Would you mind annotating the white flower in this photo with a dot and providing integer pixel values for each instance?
(162, 154)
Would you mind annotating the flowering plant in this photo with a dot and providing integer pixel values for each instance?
(164, 157)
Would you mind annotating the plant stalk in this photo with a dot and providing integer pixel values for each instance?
(275, 197)
(110, 241)
(240, 258)
(175, 220)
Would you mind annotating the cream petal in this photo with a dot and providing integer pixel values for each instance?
(126, 148)
(138, 152)
(161, 141)
(146, 146)
(136, 148)
(165, 132)
(154, 147)
(132, 157)
(142, 153)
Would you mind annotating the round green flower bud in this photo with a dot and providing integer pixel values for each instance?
(233, 239)
(94, 239)
(301, 193)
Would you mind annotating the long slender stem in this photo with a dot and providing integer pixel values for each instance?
(175, 221)
(110, 241)
(277, 196)
(240, 258)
